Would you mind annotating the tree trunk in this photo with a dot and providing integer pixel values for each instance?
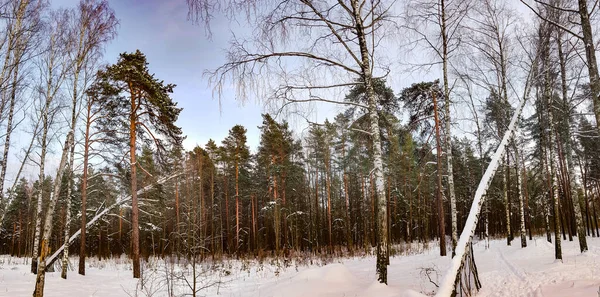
(590, 54)
(448, 132)
(84, 182)
(440, 200)
(135, 232)
(317, 229)
(382, 230)
(120, 201)
(15, 39)
(277, 222)
(447, 286)
(521, 202)
(506, 203)
(38, 219)
(45, 244)
(237, 206)
(552, 172)
(70, 176)
(328, 189)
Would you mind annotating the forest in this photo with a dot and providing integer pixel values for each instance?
(501, 142)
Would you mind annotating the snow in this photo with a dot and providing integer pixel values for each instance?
(504, 271)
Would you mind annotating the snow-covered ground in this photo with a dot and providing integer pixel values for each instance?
(504, 271)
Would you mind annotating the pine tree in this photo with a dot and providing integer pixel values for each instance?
(144, 109)
(236, 149)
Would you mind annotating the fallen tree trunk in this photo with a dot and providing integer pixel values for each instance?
(449, 283)
(105, 211)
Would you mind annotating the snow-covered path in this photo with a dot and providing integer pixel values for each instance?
(504, 271)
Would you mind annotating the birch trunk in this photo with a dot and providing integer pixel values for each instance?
(506, 205)
(448, 133)
(382, 230)
(38, 218)
(70, 179)
(45, 245)
(521, 202)
(447, 286)
(12, 66)
(105, 211)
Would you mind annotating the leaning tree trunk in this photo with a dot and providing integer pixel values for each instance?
(448, 285)
(45, 245)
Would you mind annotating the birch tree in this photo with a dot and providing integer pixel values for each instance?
(45, 243)
(494, 43)
(583, 31)
(54, 67)
(21, 35)
(444, 20)
(339, 45)
(559, 13)
(92, 25)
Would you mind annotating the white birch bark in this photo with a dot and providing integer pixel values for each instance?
(12, 60)
(38, 212)
(446, 287)
(382, 230)
(18, 175)
(520, 193)
(506, 204)
(45, 243)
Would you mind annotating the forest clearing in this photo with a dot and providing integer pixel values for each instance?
(505, 271)
(299, 148)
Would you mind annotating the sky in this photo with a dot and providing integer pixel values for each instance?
(179, 52)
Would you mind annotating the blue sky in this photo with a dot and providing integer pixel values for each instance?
(179, 52)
